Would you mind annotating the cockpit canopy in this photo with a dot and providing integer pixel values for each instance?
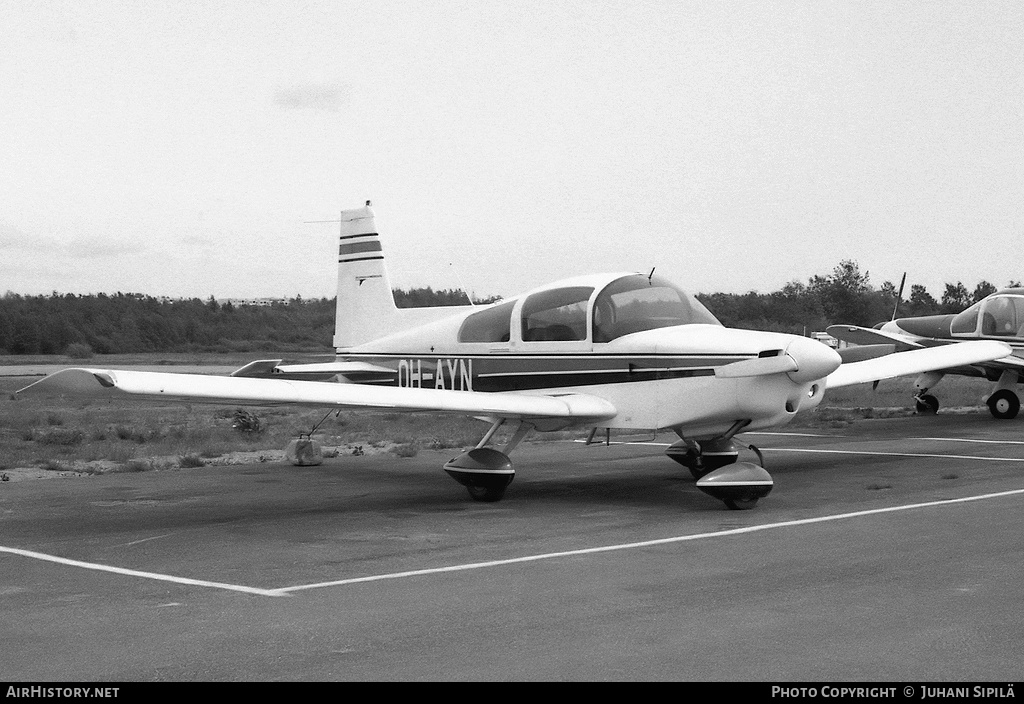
(637, 302)
(586, 311)
(999, 315)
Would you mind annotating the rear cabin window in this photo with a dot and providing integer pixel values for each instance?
(966, 323)
(556, 315)
(637, 303)
(492, 324)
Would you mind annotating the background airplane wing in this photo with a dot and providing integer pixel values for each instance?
(1011, 362)
(919, 361)
(856, 335)
(230, 390)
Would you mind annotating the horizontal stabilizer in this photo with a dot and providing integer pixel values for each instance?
(259, 368)
(228, 390)
(319, 371)
(917, 362)
(335, 368)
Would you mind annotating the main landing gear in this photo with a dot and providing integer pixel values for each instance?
(484, 471)
(926, 405)
(714, 465)
(1003, 403)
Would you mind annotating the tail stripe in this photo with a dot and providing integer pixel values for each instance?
(359, 248)
(365, 234)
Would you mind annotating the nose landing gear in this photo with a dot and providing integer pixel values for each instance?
(713, 463)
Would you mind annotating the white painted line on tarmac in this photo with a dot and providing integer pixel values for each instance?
(136, 573)
(797, 435)
(651, 443)
(855, 452)
(643, 544)
(990, 442)
(893, 454)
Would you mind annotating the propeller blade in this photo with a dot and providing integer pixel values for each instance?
(899, 296)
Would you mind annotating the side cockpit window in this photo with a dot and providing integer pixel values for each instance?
(637, 303)
(492, 324)
(1002, 316)
(556, 315)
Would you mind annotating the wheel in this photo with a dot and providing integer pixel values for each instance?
(740, 504)
(687, 453)
(1004, 404)
(927, 405)
(486, 493)
(485, 473)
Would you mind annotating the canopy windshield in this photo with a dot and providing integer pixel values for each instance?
(635, 303)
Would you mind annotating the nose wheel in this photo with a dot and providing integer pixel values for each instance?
(713, 463)
(740, 504)
(739, 486)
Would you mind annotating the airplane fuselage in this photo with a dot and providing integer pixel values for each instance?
(662, 378)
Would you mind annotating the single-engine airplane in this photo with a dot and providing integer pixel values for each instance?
(999, 316)
(607, 351)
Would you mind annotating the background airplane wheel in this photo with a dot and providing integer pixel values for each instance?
(1004, 404)
(927, 405)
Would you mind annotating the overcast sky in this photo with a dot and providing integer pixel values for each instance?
(179, 148)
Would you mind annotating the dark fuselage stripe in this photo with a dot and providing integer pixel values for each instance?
(554, 380)
(526, 372)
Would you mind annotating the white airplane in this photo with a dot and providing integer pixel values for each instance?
(607, 351)
(999, 316)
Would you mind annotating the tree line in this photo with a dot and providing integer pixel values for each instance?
(81, 325)
(844, 296)
(132, 322)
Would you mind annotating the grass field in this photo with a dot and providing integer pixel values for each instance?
(99, 436)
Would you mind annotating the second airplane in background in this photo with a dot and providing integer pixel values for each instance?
(998, 317)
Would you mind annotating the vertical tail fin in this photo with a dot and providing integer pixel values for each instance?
(366, 306)
(366, 309)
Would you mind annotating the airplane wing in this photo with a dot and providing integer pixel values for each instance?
(919, 361)
(233, 390)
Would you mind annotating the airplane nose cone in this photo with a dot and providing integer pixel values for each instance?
(814, 359)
